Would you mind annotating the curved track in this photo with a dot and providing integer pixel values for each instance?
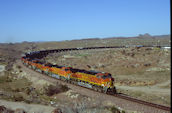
(44, 53)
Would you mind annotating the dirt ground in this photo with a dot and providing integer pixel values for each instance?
(30, 108)
(143, 73)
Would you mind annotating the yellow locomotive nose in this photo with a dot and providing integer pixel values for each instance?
(112, 80)
(109, 83)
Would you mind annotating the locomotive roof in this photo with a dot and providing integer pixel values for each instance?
(84, 71)
(51, 65)
(39, 62)
(57, 66)
(73, 69)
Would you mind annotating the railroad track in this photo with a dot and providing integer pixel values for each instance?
(126, 97)
(44, 53)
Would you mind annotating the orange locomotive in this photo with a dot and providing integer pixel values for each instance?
(99, 81)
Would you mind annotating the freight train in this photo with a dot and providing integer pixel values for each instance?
(98, 81)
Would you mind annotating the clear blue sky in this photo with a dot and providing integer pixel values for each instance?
(56, 20)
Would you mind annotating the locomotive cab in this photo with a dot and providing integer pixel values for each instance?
(107, 77)
(67, 69)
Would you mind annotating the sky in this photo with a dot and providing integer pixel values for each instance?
(58, 20)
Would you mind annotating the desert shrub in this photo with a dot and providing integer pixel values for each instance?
(147, 64)
(2, 108)
(4, 79)
(57, 110)
(51, 89)
(123, 52)
(19, 110)
(122, 111)
(64, 88)
(19, 67)
(28, 101)
(132, 54)
(18, 97)
(27, 90)
(5, 110)
(115, 110)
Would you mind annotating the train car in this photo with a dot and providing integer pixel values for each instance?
(34, 64)
(25, 61)
(60, 72)
(45, 69)
(95, 80)
(38, 66)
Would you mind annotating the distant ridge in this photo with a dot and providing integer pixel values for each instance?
(140, 36)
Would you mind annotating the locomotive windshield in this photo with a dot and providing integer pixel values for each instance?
(66, 69)
(106, 76)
